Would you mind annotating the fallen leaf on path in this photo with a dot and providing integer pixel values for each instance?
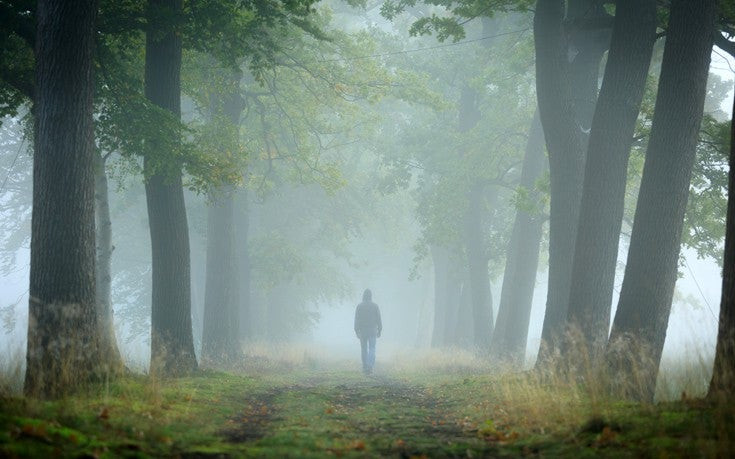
(358, 445)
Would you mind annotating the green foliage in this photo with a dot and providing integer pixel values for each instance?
(727, 15)
(427, 150)
(707, 205)
(704, 220)
(233, 30)
(16, 55)
(448, 20)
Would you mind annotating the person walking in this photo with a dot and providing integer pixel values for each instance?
(368, 327)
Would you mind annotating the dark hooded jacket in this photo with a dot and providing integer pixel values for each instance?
(367, 316)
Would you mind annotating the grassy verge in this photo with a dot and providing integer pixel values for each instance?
(319, 410)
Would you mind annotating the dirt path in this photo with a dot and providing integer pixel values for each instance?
(375, 416)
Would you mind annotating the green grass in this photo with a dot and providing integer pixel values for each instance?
(336, 411)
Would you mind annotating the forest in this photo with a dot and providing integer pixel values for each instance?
(367, 228)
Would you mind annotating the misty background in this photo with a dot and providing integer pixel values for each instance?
(363, 234)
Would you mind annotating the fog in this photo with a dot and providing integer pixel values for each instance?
(358, 199)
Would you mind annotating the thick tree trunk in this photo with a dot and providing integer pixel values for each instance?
(723, 375)
(565, 123)
(588, 28)
(601, 212)
(220, 338)
(639, 328)
(108, 342)
(63, 333)
(482, 307)
(566, 162)
(172, 343)
(514, 313)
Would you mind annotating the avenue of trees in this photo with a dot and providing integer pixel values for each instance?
(218, 160)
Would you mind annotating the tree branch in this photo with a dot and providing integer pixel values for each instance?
(725, 44)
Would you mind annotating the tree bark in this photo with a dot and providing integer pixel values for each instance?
(565, 123)
(514, 313)
(588, 30)
(63, 334)
(639, 328)
(482, 307)
(108, 342)
(723, 374)
(172, 343)
(220, 338)
(606, 169)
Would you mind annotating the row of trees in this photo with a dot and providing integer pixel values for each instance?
(65, 337)
(279, 110)
(263, 112)
(589, 133)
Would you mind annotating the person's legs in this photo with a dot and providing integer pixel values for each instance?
(364, 353)
(371, 351)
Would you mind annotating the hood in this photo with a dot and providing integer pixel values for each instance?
(367, 295)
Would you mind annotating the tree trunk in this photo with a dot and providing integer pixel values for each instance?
(63, 334)
(639, 328)
(455, 287)
(588, 28)
(565, 123)
(108, 342)
(723, 375)
(423, 332)
(172, 343)
(442, 286)
(482, 307)
(464, 335)
(242, 231)
(220, 338)
(606, 169)
(514, 313)
(280, 315)
(474, 243)
(220, 343)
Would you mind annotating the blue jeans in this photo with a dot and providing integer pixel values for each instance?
(367, 345)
